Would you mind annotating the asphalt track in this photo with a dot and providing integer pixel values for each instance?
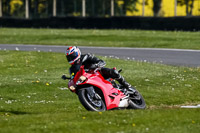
(176, 57)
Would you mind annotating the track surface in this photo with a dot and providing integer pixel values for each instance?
(177, 57)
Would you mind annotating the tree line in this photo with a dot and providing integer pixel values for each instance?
(99, 8)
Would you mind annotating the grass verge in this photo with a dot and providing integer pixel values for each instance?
(105, 38)
(33, 97)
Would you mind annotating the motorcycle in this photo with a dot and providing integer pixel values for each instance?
(98, 94)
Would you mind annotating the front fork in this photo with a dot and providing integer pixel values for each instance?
(92, 93)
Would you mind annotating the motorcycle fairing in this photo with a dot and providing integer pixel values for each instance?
(112, 95)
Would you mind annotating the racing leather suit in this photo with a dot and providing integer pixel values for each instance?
(89, 61)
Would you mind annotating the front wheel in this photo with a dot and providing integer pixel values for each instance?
(91, 103)
(136, 101)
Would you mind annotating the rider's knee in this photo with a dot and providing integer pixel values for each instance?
(115, 74)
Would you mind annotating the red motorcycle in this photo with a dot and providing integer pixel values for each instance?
(98, 94)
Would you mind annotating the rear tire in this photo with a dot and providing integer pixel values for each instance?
(137, 103)
(90, 103)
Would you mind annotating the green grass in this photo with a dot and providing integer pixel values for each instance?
(29, 104)
(105, 38)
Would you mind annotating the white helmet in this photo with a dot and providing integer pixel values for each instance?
(73, 54)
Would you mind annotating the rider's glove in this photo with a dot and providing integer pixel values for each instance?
(64, 77)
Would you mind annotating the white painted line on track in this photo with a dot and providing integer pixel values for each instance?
(197, 106)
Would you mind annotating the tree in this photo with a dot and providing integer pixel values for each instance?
(13, 8)
(189, 5)
(126, 5)
(156, 7)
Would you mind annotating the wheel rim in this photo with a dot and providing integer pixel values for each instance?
(94, 102)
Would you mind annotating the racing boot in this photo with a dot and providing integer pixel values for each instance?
(122, 81)
(115, 74)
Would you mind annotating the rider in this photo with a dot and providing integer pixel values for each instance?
(74, 57)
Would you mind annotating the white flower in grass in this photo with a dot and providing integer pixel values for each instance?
(50, 102)
(63, 88)
(188, 85)
(124, 121)
(8, 102)
(116, 57)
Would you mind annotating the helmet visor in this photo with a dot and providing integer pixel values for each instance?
(72, 56)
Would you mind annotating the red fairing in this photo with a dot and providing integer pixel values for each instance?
(112, 95)
(79, 73)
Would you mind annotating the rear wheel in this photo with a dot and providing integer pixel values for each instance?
(136, 101)
(91, 103)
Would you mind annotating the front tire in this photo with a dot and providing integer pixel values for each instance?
(90, 103)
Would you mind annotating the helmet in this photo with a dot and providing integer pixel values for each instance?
(73, 54)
